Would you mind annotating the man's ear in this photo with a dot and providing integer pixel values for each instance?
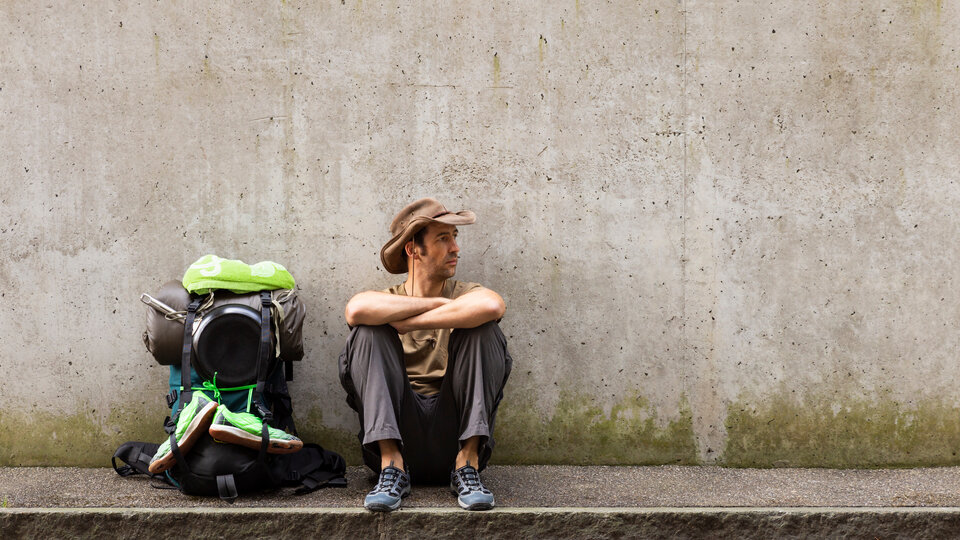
(410, 248)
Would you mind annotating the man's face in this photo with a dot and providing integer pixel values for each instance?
(439, 253)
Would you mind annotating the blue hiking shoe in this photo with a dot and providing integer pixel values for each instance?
(389, 492)
(471, 494)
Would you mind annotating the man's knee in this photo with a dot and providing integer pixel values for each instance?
(383, 333)
(487, 337)
(369, 345)
(488, 330)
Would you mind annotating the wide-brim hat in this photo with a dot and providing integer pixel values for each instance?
(411, 219)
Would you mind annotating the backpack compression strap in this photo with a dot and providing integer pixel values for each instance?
(177, 454)
(263, 356)
(186, 394)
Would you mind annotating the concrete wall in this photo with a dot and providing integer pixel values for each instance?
(725, 231)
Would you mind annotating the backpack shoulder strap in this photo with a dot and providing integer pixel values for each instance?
(136, 455)
(313, 468)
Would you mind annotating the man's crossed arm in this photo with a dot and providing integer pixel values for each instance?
(406, 313)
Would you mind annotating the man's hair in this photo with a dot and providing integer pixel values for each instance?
(418, 241)
(418, 237)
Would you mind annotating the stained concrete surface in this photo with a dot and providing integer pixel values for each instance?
(529, 487)
(567, 523)
(533, 501)
(717, 226)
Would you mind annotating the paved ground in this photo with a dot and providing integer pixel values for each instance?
(531, 486)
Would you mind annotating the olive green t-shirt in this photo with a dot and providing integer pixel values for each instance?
(425, 351)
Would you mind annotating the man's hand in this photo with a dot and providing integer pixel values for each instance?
(374, 308)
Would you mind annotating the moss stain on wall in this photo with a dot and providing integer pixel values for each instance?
(85, 440)
(342, 441)
(822, 431)
(78, 440)
(580, 432)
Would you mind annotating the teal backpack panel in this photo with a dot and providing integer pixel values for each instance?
(237, 400)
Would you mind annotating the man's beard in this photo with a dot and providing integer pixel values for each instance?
(445, 271)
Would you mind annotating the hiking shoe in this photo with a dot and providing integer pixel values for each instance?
(191, 424)
(471, 494)
(245, 429)
(389, 492)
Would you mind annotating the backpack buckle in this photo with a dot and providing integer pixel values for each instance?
(171, 398)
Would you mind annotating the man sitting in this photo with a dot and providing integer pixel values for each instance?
(425, 364)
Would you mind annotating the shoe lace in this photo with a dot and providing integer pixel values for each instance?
(389, 481)
(212, 388)
(470, 479)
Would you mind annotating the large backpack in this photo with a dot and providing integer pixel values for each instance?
(238, 349)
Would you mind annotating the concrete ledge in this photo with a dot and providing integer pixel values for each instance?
(500, 523)
(535, 501)
(535, 486)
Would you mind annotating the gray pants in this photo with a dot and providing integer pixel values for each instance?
(431, 428)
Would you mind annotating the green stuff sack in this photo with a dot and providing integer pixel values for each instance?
(211, 272)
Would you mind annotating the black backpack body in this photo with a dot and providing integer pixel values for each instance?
(228, 471)
(237, 345)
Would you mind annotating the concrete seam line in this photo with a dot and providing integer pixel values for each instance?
(507, 510)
